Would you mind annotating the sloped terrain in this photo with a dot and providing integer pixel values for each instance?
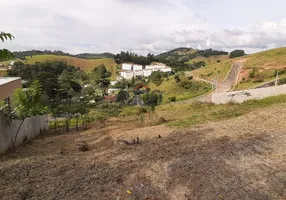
(84, 64)
(262, 67)
(241, 158)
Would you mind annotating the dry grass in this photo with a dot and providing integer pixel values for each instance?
(212, 161)
(84, 64)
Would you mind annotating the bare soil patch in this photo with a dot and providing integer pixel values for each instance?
(242, 158)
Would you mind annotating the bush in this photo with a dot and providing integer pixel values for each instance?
(236, 53)
(252, 73)
(157, 77)
(172, 99)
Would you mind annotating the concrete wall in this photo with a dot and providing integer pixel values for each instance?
(30, 129)
(244, 95)
(8, 88)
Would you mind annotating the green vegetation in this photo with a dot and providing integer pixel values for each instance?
(84, 64)
(236, 53)
(185, 115)
(262, 66)
(182, 90)
(28, 103)
(214, 69)
(4, 53)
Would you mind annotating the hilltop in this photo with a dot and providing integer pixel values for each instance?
(82, 63)
(257, 69)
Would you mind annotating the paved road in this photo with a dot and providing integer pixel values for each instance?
(227, 84)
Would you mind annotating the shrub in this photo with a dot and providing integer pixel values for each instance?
(236, 53)
(172, 99)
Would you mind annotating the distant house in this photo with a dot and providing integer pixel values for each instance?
(137, 67)
(132, 70)
(126, 66)
(127, 74)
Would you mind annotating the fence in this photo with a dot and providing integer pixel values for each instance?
(30, 128)
(244, 95)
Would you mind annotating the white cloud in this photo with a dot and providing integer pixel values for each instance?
(142, 25)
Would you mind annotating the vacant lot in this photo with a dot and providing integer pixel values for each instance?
(241, 158)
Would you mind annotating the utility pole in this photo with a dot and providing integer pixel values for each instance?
(216, 83)
(276, 81)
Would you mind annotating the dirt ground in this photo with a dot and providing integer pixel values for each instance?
(242, 158)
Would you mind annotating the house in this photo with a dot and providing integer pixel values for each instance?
(147, 72)
(137, 67)
(132, 70)
(138, 73)
(127, 74)
(126, 66)
(8, 85)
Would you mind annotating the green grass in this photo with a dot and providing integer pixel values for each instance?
(271, 58)
(210, 60)
(171, 89)
(213, 69)
(84, 64)
(186, 115)
(250, 84)
(265, 64)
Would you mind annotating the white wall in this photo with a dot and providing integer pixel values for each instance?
(127, 74)
(138, 73)
(126, 66)
(30, 128)
(147, 72)
(166, 69)
(244, 95)
(137, 67)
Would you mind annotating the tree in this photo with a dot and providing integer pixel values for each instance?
(236, 53)
(4, 53)
(122, 96)
(157, 77)
(28, 103)
(101, 76)
(152, 99)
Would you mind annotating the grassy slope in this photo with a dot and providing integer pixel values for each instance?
(213, 68)
(84, 64)
(191, 114)
(170, 88)
(265, 63)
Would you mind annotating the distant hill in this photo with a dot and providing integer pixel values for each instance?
(84, 64)
(258, 68)
(262, 67)
(95, 55)
(23, 54)
(185, 54)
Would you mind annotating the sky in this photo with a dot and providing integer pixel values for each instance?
(143, 26)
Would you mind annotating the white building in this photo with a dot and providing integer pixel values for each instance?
(137, 67)
(167, 69)
(138, 73)
(138, 70)
(147, 72)
(127, 74)
(126, 66)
